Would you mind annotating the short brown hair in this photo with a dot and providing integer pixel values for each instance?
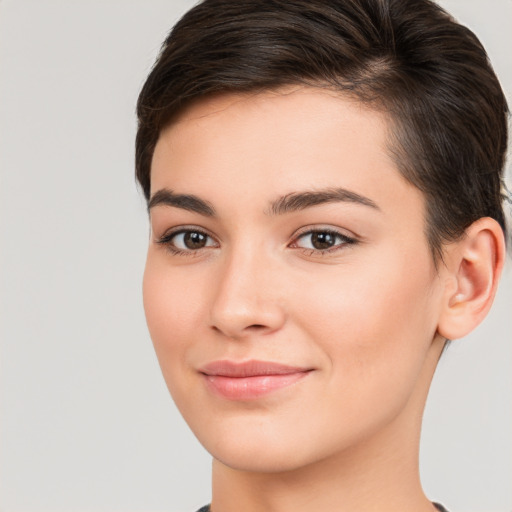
(406, 57)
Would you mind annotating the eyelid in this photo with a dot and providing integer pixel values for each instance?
(337, 232)
(315, 228)
(169, 233)
(166, 239)
(346, 239)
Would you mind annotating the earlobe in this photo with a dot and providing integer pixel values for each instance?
(474, 264)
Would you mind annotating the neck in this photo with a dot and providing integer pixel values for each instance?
(380, 474)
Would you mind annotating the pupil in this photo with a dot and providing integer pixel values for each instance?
(323, 240)
(194, 240)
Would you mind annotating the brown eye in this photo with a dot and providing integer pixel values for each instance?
(194, 240)
(322, 240)
(187, 240)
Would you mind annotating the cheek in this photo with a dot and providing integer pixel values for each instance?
(375, 325)
(172, 304)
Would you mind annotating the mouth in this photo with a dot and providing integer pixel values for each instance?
(251, 379)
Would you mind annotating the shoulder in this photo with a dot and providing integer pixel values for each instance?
(439, 507)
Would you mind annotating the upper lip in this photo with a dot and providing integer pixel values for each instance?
(251, 368)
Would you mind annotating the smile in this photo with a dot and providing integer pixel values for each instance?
(251, 379)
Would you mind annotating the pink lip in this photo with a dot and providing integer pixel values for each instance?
(250, 379)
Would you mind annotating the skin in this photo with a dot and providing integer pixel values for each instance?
(368, 317)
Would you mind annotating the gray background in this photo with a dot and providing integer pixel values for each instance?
(86, 421)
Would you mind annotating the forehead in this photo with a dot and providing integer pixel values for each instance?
(286, 104)
(278, 142)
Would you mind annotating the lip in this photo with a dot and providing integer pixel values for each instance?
(250, 379)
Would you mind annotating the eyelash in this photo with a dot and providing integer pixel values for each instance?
(168, 237)
(345, 240)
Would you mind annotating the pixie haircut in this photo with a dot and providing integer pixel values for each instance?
(407, 58)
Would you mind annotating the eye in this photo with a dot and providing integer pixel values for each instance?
(322, 240)
(187, 240)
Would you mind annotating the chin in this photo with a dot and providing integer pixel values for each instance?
(254, 459)
(251, 446)
(264, 450)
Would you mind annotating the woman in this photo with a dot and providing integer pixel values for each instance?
(324, 187)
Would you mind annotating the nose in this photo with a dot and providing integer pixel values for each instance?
(246, 301)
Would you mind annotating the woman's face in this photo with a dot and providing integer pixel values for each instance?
(289, 288)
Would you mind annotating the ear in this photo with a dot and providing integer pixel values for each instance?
(473, 265)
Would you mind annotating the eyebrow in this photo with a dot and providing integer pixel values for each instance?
(301, 200)
(188, 202)
(292, 202)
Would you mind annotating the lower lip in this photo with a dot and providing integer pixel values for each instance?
(247, 388)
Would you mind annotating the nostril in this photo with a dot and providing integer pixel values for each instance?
(255, 327)
(240, 319)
